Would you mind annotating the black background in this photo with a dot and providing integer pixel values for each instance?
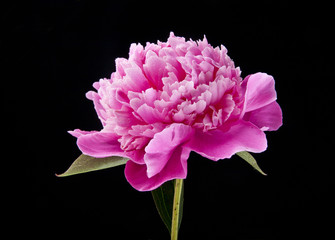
(53, 51)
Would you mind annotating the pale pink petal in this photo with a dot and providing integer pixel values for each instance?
(176, 167)
(267, 118)
(200, 106)
(125, 118)
(162, 146)
(97, 105)
(149, 114)
(77, 132)
(100, 144)
(179, 116)
(259, 91)
(216, 144)
(135, 79)
(154, 69)
(136, 53)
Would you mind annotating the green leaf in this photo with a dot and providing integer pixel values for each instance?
(163, 198)
(86, 163)
(251, 160)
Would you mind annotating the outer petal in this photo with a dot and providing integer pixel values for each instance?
(268, 118)
(217, 144)
(176, 167)
(137, 156)
(100, 144)
(259, 91)
(77, 132)
(162, 146)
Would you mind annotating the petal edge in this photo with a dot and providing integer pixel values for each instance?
(100, 144)
(259, 91)
(267, 118)
(162, 146)
(217, 144)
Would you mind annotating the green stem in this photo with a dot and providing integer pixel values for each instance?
(176, 208)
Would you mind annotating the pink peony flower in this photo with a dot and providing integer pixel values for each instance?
(174, 97)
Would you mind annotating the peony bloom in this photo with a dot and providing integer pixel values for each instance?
(171, 98)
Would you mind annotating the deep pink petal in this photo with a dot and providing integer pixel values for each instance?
(259, 91)
(162, 146)
(267, 118)
(176, 167)
(137, 156)
(216, 144)
(100, 144)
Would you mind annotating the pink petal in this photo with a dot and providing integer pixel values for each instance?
(150, 114)
(91, 95)
(176, 167)
(100, 144)
(162, 146)
(77, 132)
(154, 69)
(216, 144)
(125, 118)
(137, 156)
(259, 91)
(267, 118)
(135, 80)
